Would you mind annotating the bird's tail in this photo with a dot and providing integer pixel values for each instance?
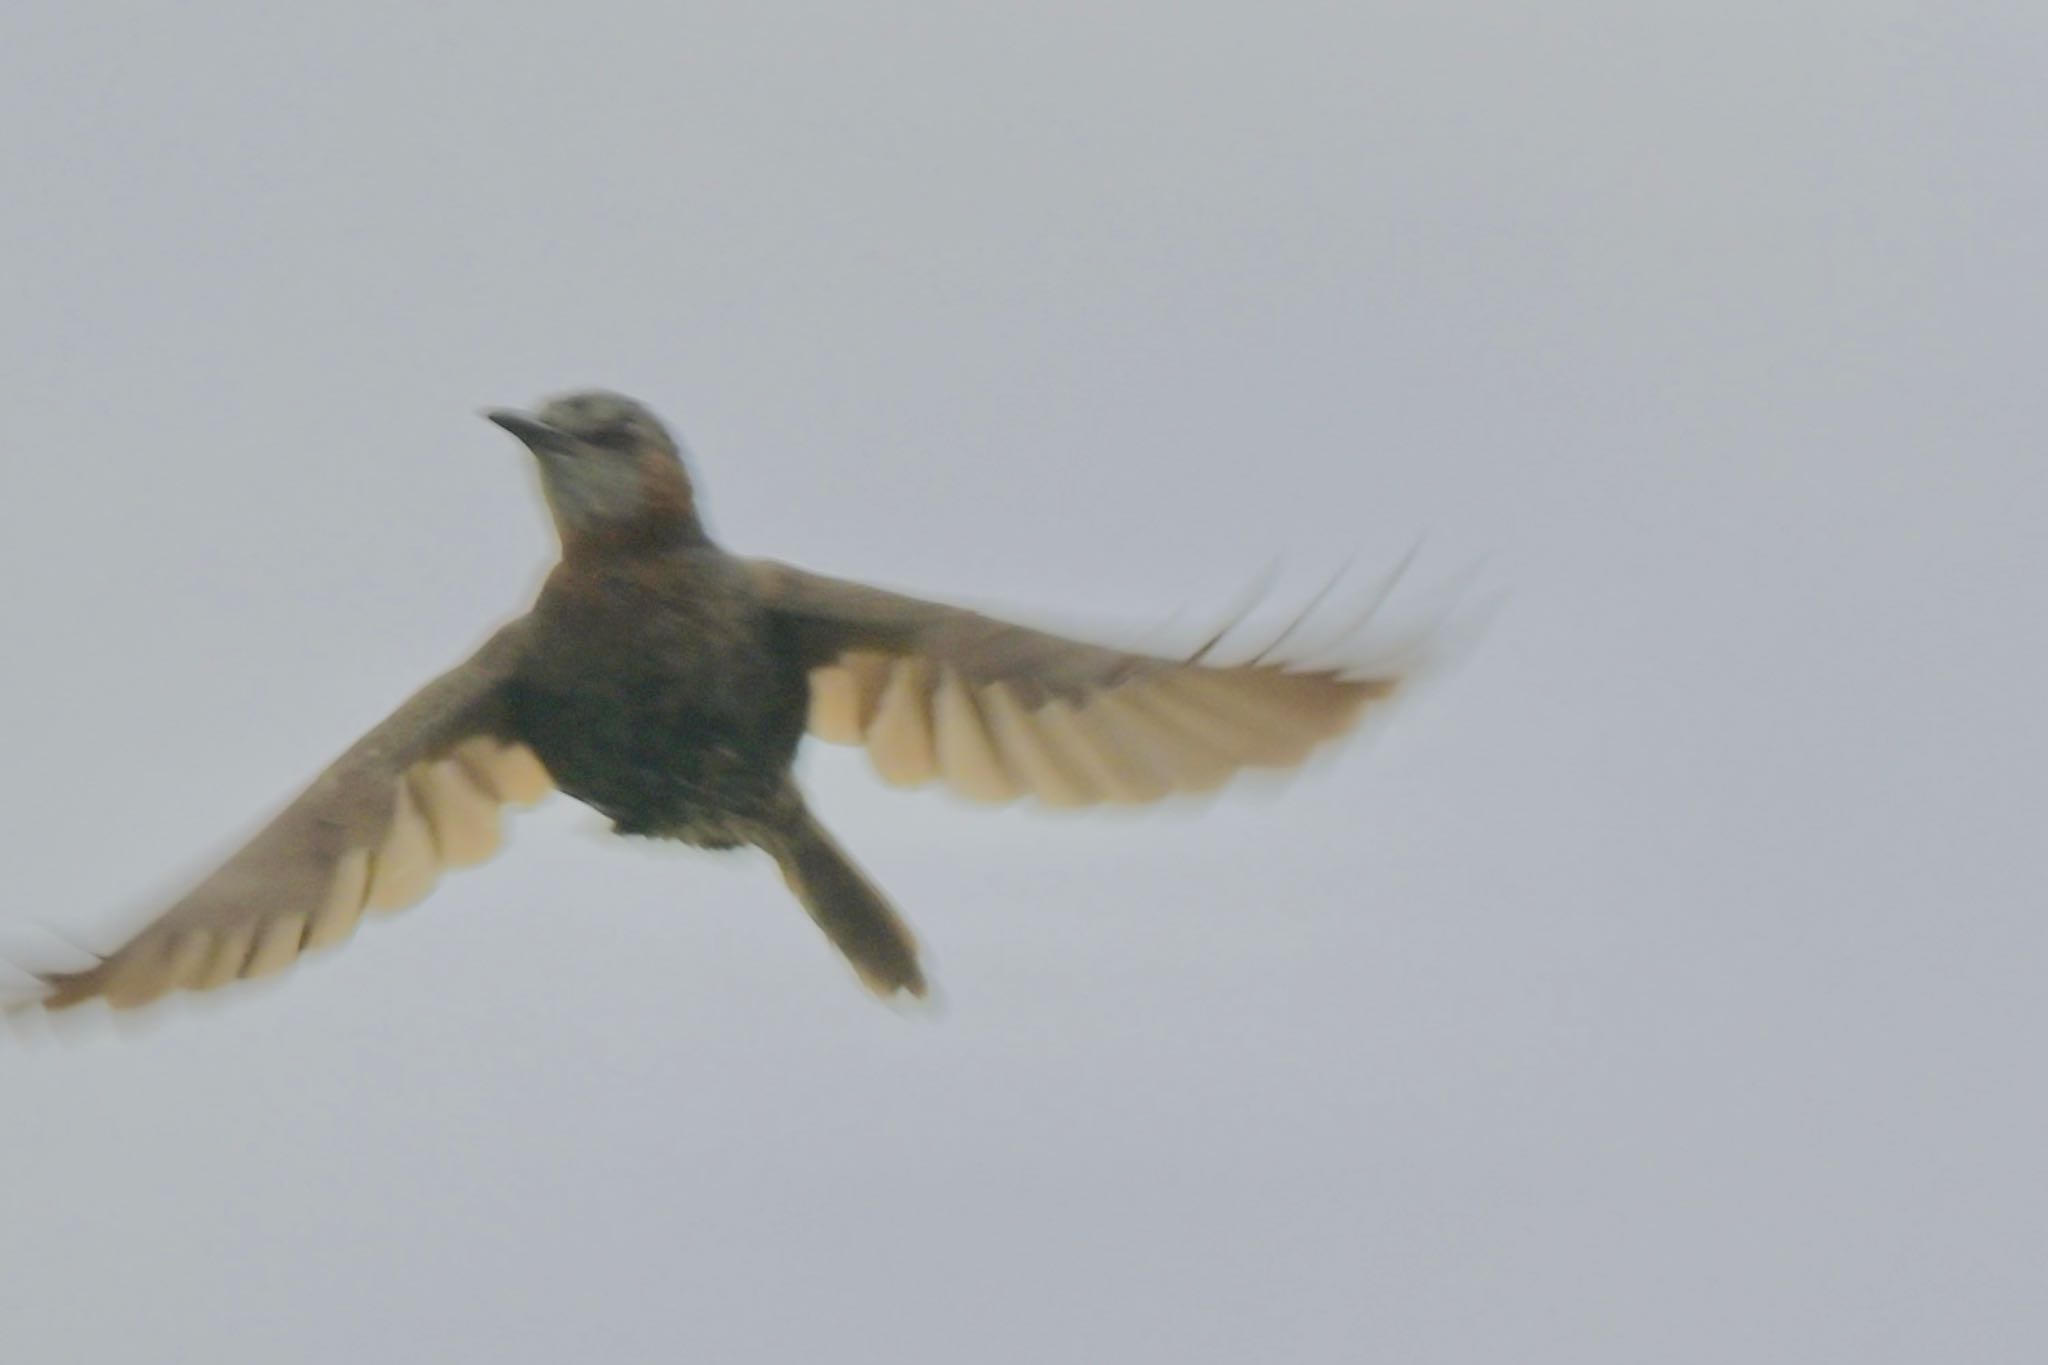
(854, 915)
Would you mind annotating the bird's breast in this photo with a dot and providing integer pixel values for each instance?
(671, 712)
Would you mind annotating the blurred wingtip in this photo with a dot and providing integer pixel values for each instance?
(1392, 627)
(1248, 603)
(32, 977)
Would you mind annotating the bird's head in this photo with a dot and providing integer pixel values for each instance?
(610, 469)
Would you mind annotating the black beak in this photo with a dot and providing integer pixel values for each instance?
(536, 435)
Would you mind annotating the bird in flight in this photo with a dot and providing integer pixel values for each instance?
(667, 683)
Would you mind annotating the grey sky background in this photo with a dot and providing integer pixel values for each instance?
(1666, 984)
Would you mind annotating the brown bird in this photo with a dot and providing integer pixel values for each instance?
(667, 683)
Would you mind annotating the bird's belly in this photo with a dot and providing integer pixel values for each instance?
(655, 763)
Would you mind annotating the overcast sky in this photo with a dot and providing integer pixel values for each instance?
(1665, 984)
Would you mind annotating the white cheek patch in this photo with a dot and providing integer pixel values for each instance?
(590, 491)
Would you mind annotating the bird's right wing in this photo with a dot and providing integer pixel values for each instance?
(419, 793)
(1000, 711)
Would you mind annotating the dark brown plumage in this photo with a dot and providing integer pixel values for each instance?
(667, 684)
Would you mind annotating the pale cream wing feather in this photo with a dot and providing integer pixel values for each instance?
(999, 712)
(418, 795)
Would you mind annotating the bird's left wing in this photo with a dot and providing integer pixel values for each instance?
(419, 793)
(999, 711)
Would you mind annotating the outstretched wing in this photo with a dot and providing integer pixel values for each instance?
(999, 711)
(419, 793)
